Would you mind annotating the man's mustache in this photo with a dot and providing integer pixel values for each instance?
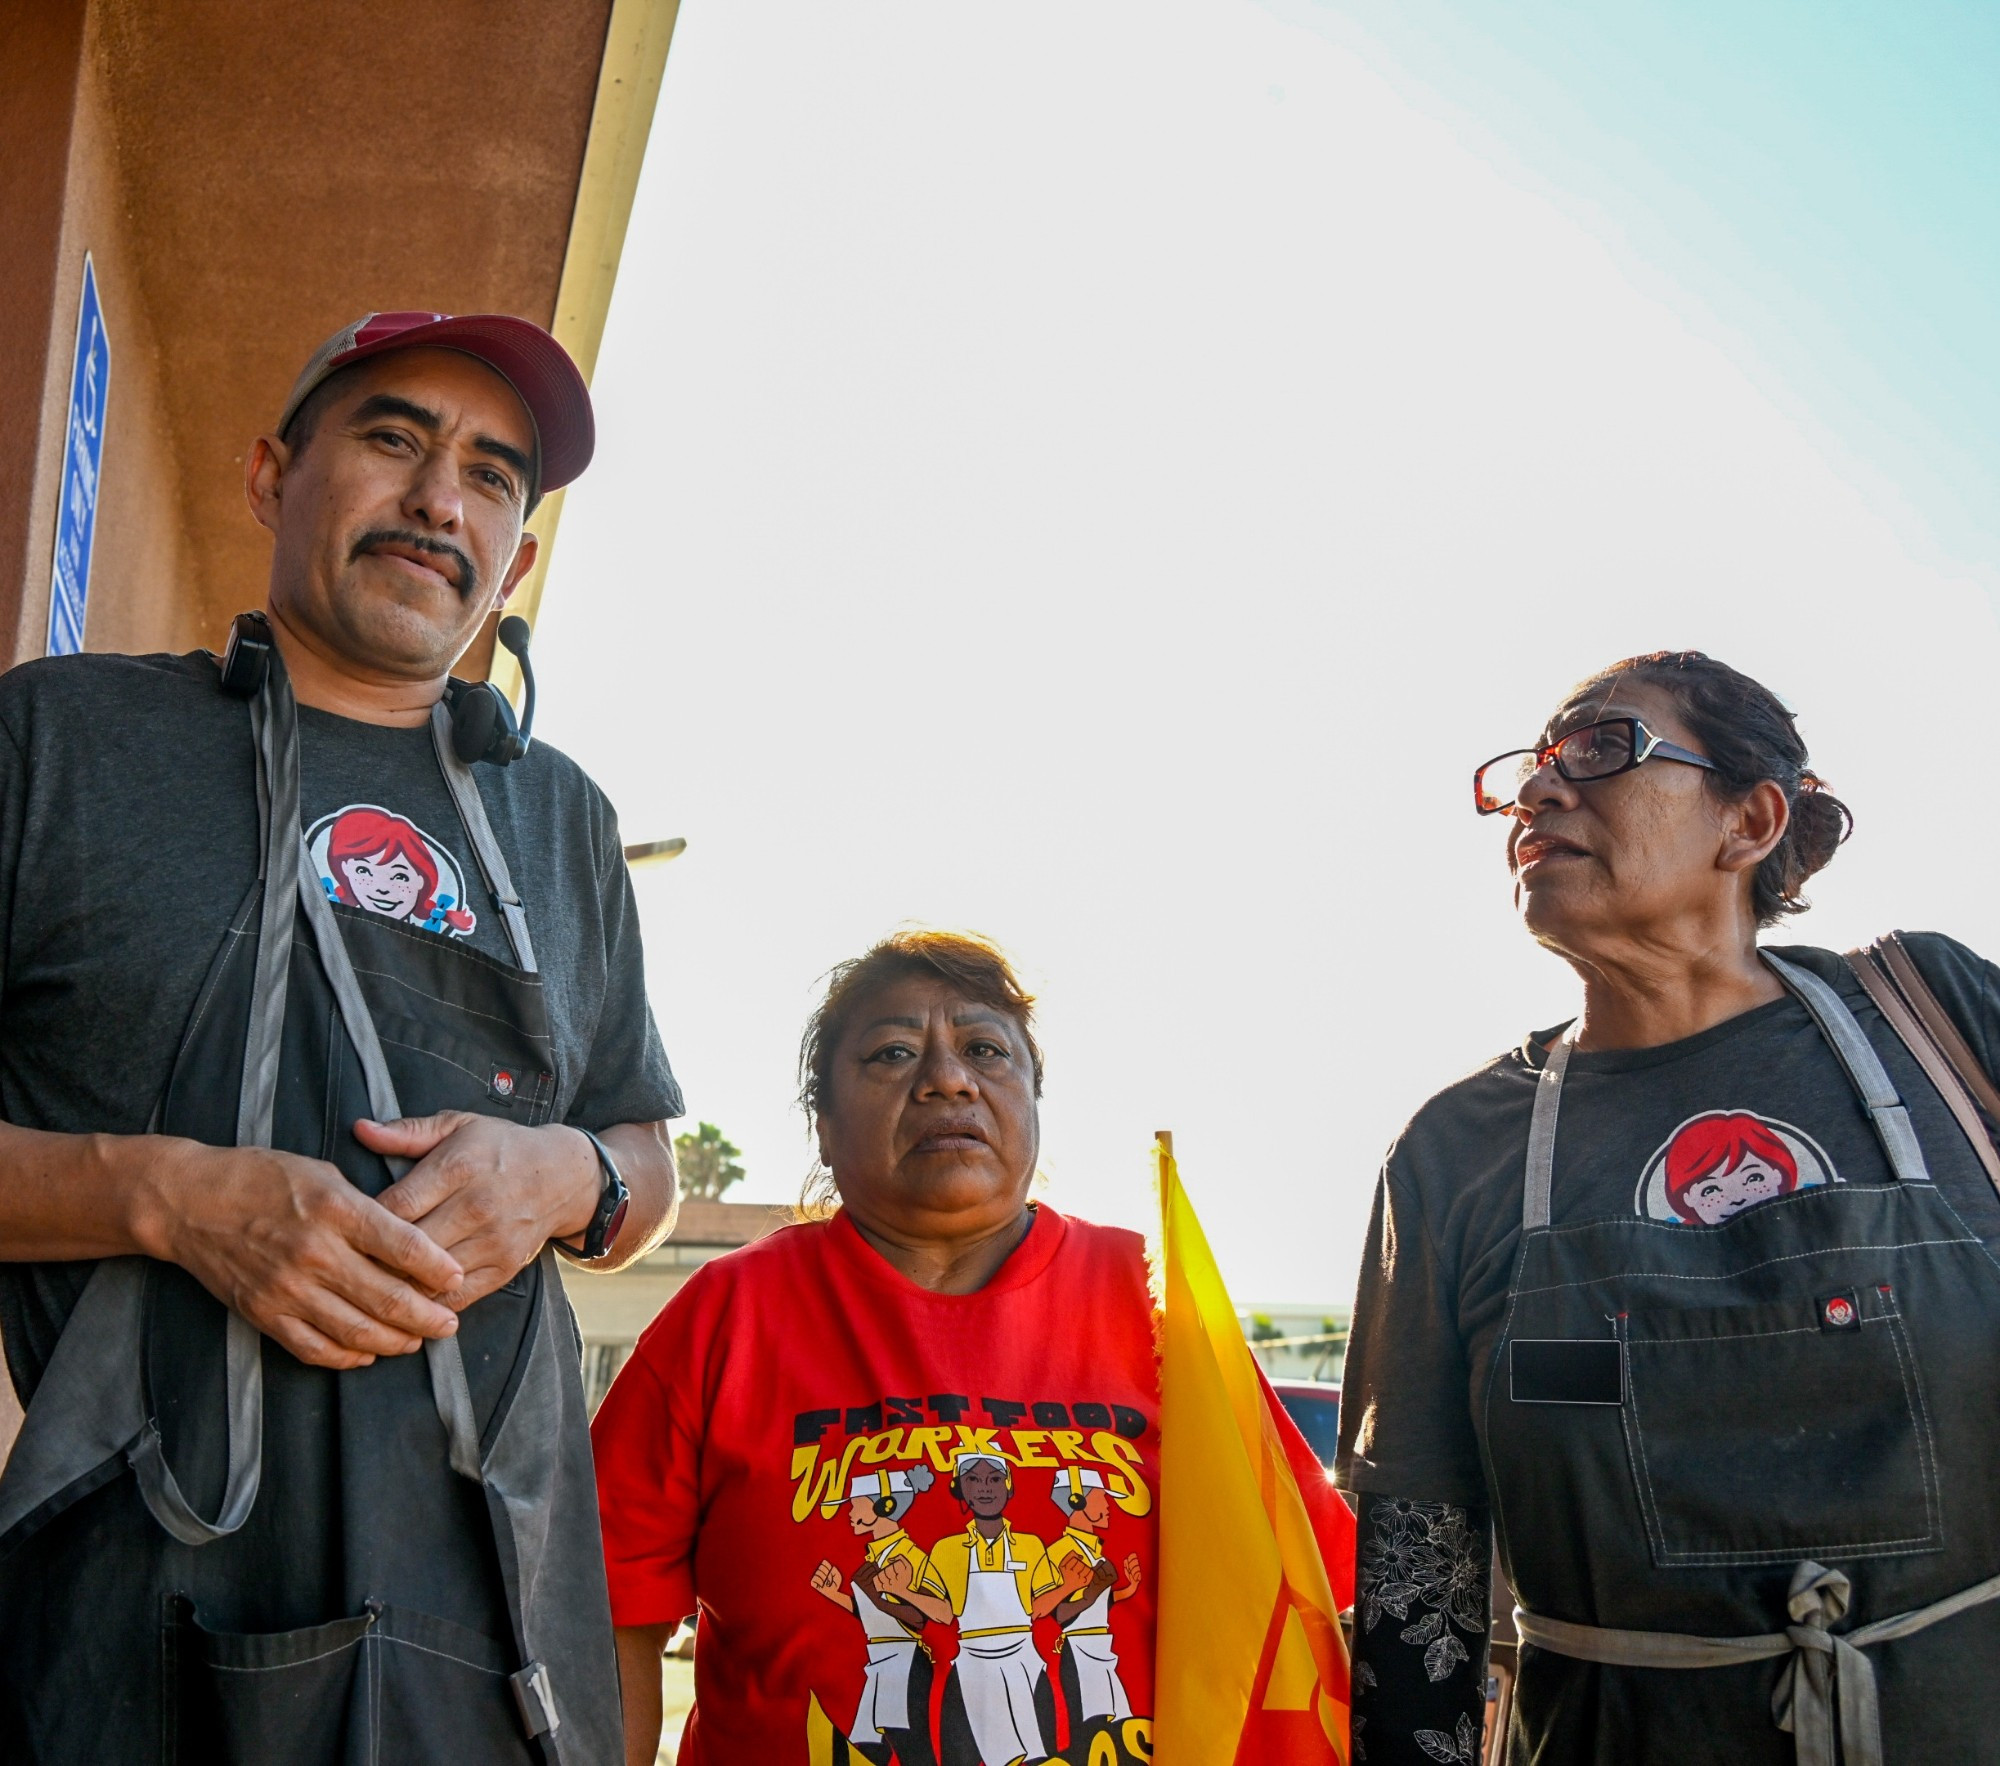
(467, 580)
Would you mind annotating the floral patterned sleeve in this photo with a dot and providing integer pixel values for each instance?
(1421, 1612)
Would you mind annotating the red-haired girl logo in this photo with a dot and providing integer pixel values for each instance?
(372, 859)
(1721, 1162)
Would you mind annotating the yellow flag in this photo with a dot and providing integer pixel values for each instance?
(1252, 1667)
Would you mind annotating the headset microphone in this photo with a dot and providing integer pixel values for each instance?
(482, 722)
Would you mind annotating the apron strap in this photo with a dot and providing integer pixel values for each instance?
(1837, 1024)
(1825, 1698)
(1535, 1196)
(1864, 1067)
(274, 725)
(472, 812)
(243, 1381)
(449, 1386)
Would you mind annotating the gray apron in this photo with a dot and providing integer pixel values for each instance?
(211, 1552)
(1763, 1450)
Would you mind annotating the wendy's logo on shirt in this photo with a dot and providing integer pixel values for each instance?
(1721, 1162)
(373, 859)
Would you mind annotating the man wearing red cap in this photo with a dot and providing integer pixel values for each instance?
(322, 1025)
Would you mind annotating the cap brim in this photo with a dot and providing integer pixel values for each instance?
(532, 362)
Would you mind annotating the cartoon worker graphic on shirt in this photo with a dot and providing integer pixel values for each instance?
(383, 863)
(894, 1594)
(1092, 1691)
(1715, 1165)
(999, 1709)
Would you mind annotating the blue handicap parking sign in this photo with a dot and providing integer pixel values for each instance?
(83, 454)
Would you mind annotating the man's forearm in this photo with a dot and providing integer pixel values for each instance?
(65, 1197)
(645, 1155)
(286, 1241)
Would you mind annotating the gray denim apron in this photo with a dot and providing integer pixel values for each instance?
(212, 1553)
(1765, 1450)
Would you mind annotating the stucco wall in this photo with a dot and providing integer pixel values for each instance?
(248, 178)
(140, 566)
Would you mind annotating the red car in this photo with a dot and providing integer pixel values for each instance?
(1315, 1406)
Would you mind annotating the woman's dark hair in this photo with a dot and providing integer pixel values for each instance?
(1741, 726)
(975, 966)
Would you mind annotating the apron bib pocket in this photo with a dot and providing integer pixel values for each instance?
(1757, 1434)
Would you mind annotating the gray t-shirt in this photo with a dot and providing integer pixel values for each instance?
(128, 835)
(1690, 1132)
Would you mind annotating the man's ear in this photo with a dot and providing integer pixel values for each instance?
(524, 561)
(263, 478)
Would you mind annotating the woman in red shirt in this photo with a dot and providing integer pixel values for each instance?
(895, 1456)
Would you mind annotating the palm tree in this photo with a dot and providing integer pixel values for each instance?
(707, 1162)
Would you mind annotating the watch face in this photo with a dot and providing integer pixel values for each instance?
(616, 1224)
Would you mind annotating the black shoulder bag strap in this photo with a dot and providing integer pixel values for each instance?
(1901, 994)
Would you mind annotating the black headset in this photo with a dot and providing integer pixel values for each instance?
(482, 722)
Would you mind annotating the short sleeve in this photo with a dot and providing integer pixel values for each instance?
(647, 1444)
(924, 1575)
(1046, 1574)
(1405, 1418)
(626, 1077)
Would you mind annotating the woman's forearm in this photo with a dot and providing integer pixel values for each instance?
(1421, 1614)
(640, 1648)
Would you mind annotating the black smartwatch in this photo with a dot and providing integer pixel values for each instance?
(612, 1202)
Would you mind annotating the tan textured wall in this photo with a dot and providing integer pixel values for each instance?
(139, 561)
(247, 185)
(38, 79)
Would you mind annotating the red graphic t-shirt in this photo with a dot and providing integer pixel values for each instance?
(917, 1526)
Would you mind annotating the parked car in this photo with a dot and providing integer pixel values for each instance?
(1315, 1406)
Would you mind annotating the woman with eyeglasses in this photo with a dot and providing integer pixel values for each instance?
(1692, 1304)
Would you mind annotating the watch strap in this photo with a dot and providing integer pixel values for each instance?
(612, 1201)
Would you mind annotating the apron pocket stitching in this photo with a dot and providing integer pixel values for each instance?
(1730, 1275)
(484, 1079)
(284, 1667)
(457, 1006)
(1635, 1444)
(1906, 1361)
(445, 1656)
(1722, 1560)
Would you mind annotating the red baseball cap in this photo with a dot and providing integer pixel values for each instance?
(522, 353)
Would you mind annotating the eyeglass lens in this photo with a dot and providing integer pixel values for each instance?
(1593, 752)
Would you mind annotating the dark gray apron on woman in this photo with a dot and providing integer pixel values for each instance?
(399, 1563)
(1749, 1471)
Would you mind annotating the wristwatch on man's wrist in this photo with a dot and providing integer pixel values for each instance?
(612, 1202)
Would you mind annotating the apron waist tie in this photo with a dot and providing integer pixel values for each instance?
(1828, 1687)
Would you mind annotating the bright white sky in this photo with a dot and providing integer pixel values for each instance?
(1103, 473)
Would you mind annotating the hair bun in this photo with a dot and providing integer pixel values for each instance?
(1820, 823)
